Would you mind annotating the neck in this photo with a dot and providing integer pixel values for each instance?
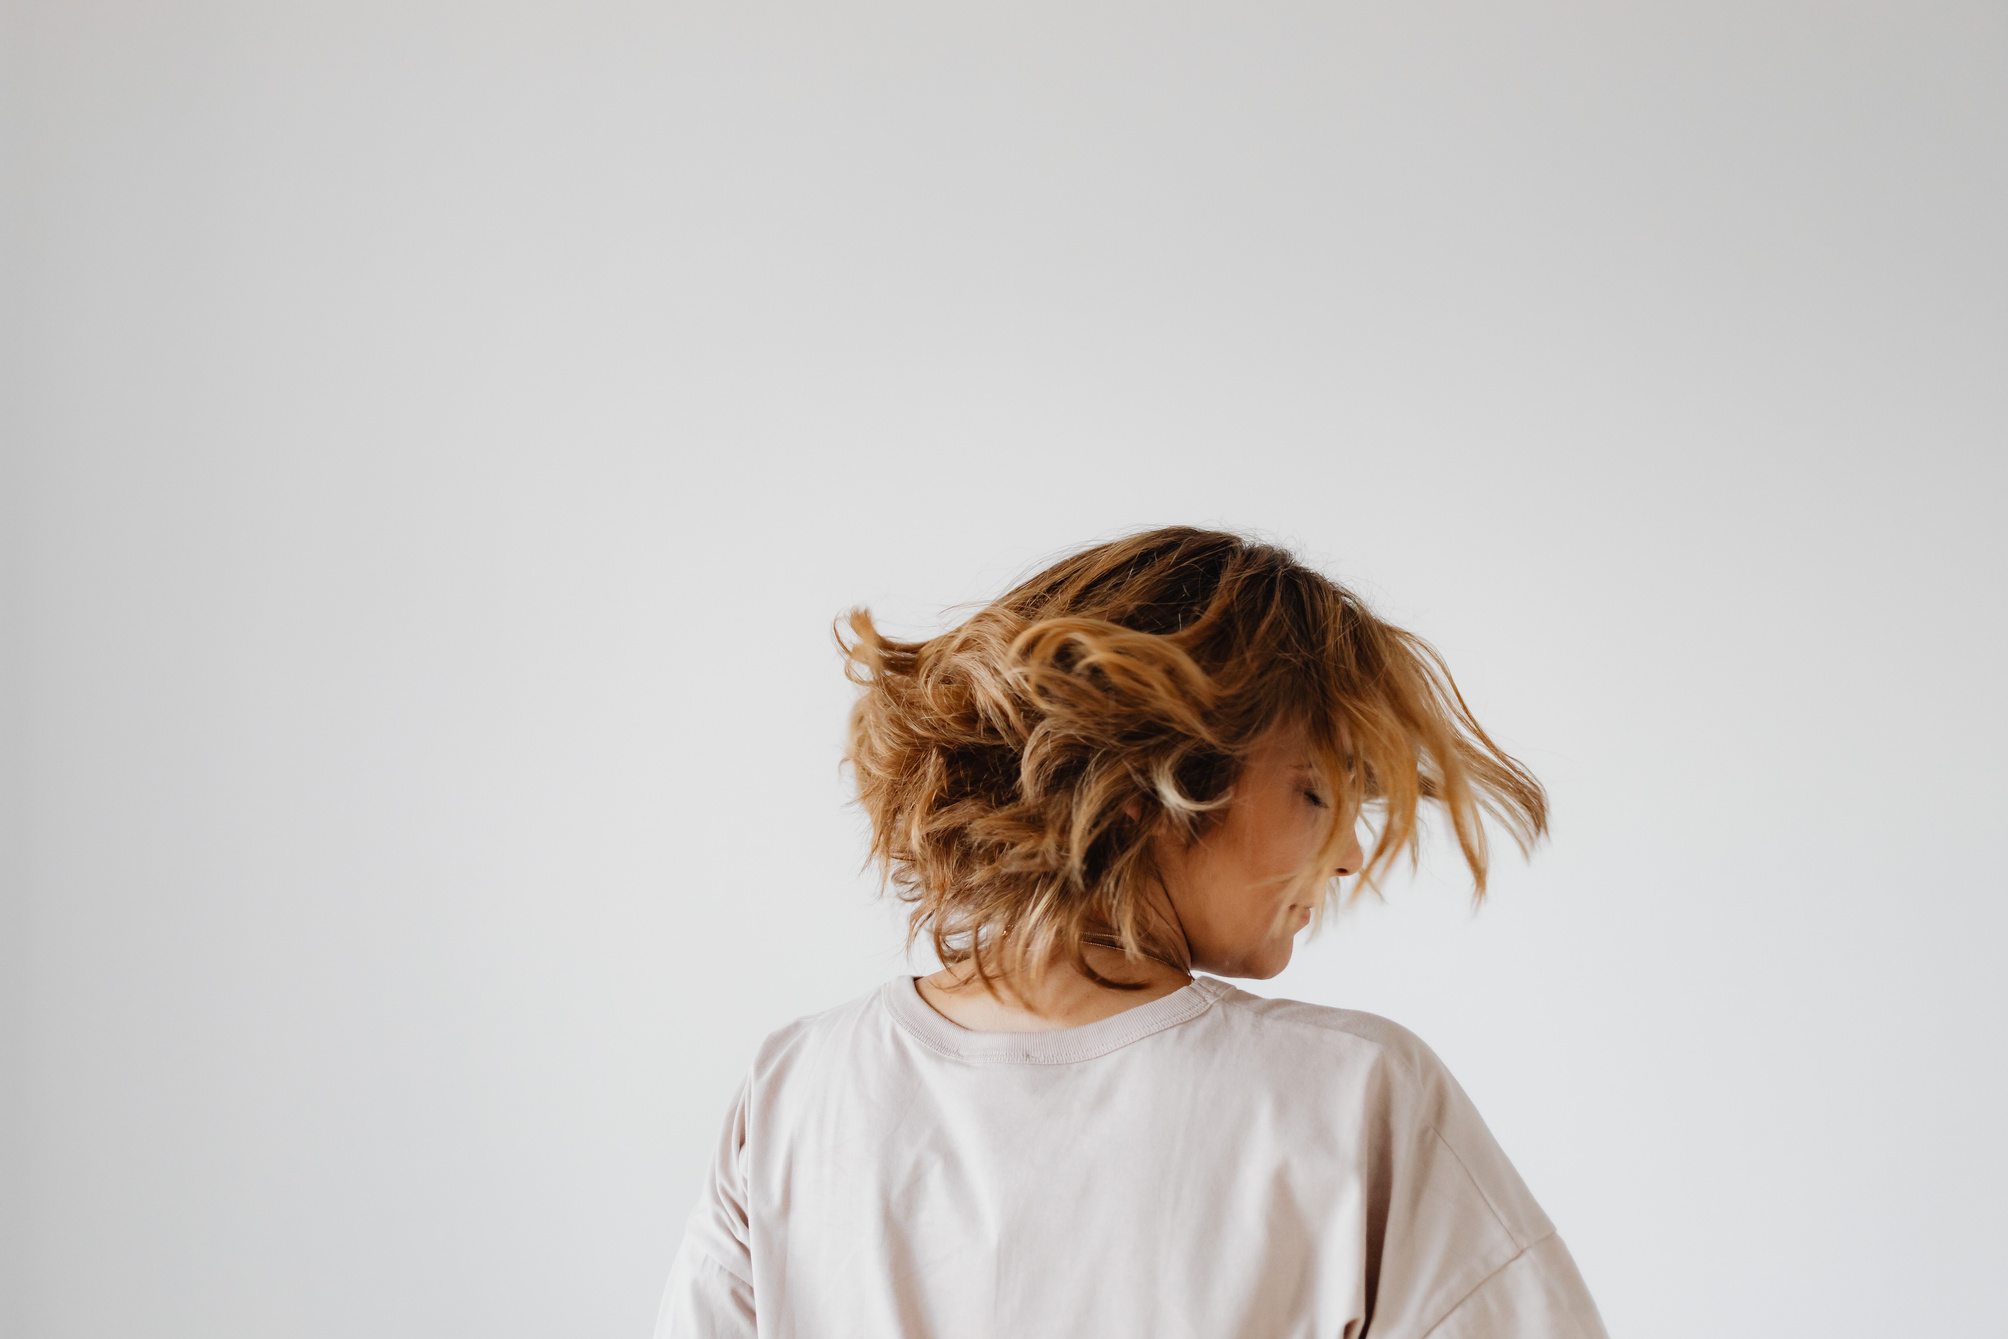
(1060, 996)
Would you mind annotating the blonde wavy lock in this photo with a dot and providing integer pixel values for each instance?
(1017, 770)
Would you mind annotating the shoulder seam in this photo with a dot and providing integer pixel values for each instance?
(1417, 1077)
(1479, 1287)
(1485, 1195)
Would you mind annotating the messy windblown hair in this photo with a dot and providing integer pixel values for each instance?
(1016, 768)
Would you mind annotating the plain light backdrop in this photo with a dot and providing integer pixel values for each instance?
(440, 436)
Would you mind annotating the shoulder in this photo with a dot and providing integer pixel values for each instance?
(1417, 1096)
(1316, 1032)
(1400, 1085)
(816, 1036)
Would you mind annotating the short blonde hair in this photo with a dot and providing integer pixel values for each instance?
(1016, 768)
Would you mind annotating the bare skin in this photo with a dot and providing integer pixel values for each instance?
(1239, 896)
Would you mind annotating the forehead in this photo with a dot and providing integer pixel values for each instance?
(1287, 746)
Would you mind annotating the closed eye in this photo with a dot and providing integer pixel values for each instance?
(1315, 798)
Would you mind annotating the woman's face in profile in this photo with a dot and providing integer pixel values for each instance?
(1244, 890)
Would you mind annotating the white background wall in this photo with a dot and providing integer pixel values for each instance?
(441, 433)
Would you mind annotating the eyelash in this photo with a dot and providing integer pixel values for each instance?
(1314, 798)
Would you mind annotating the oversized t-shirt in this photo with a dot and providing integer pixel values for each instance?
(1211, 1164)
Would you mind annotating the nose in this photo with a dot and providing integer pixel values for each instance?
(1352, 857)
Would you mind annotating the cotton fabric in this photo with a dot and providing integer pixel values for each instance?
(1209, 1164)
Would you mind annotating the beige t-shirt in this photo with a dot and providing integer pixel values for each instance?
(1210, 1164)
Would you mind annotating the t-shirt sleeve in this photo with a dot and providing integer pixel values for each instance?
(1464, 1251)
(710, 1292)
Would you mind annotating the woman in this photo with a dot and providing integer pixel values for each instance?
(1146, 762)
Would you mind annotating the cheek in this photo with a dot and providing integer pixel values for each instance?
(1275, 912)
(1237, 890)
(1282, 877)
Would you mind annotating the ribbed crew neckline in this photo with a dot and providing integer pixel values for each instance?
(1065, 1046)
